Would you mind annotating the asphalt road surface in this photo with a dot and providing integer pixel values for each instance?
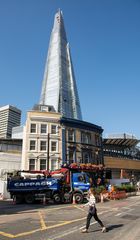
(65, 222)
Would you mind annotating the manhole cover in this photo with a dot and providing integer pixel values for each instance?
(131, 217)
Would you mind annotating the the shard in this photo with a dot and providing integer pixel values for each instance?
(59, 86)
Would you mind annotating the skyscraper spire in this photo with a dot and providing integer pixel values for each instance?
(59, 85)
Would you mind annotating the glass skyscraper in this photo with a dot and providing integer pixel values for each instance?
(59, 86)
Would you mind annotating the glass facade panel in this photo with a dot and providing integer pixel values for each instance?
(59, 85)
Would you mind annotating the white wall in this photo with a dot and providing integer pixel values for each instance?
(3, 190)
(8, 163)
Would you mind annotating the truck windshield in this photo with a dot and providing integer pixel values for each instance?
(80, 177)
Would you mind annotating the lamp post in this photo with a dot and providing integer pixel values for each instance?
(48, 149)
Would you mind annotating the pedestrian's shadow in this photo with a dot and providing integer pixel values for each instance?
(111, 227)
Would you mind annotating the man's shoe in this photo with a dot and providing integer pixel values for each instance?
(84, 231)
(103, 229)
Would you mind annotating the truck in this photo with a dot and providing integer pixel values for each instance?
(63, 185)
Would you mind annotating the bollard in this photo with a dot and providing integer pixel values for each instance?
(44, 200)
(14, 199)
(1, 196)
(102, 197)
(73, 199)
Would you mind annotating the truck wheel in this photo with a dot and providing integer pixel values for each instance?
(78, 198)
(57, 198)
(29, 198)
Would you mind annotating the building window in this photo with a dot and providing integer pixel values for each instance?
(85, 138)
(33, 128)
(97, 140)
(43, 145)
(53, 146)
(42, 164)
(31, 164)
(53, 164)
(71, 135)
(43, 128)
(71, 155)
(86, 157)
(32, 145)
(53, 129)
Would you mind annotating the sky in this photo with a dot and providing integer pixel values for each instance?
(104, 37)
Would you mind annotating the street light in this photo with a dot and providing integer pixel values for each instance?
(48, 155)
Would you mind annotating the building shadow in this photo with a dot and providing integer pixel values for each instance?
(8, 208)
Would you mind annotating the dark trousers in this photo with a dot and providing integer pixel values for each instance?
(90, 215)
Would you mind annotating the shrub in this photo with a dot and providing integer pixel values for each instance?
(127, 188)
(99, 189)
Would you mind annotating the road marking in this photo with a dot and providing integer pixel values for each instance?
(7, 235)
(128, 211)
(118, 214)
(66, 222)
(90, 225)
(135, 203)
(58, 208)
(28, 233)
(64, 234)
(126, 208)
(43, 225)
(80, 208)
(76, 229)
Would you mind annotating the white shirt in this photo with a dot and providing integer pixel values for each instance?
(91, 201)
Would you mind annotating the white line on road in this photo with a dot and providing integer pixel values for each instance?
(76, 228)
(64, 234)
(129, 210)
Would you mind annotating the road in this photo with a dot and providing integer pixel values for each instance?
(65, 222)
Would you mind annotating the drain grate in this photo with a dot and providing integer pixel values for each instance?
(131, 217)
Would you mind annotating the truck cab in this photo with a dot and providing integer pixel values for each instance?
(79, 178)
